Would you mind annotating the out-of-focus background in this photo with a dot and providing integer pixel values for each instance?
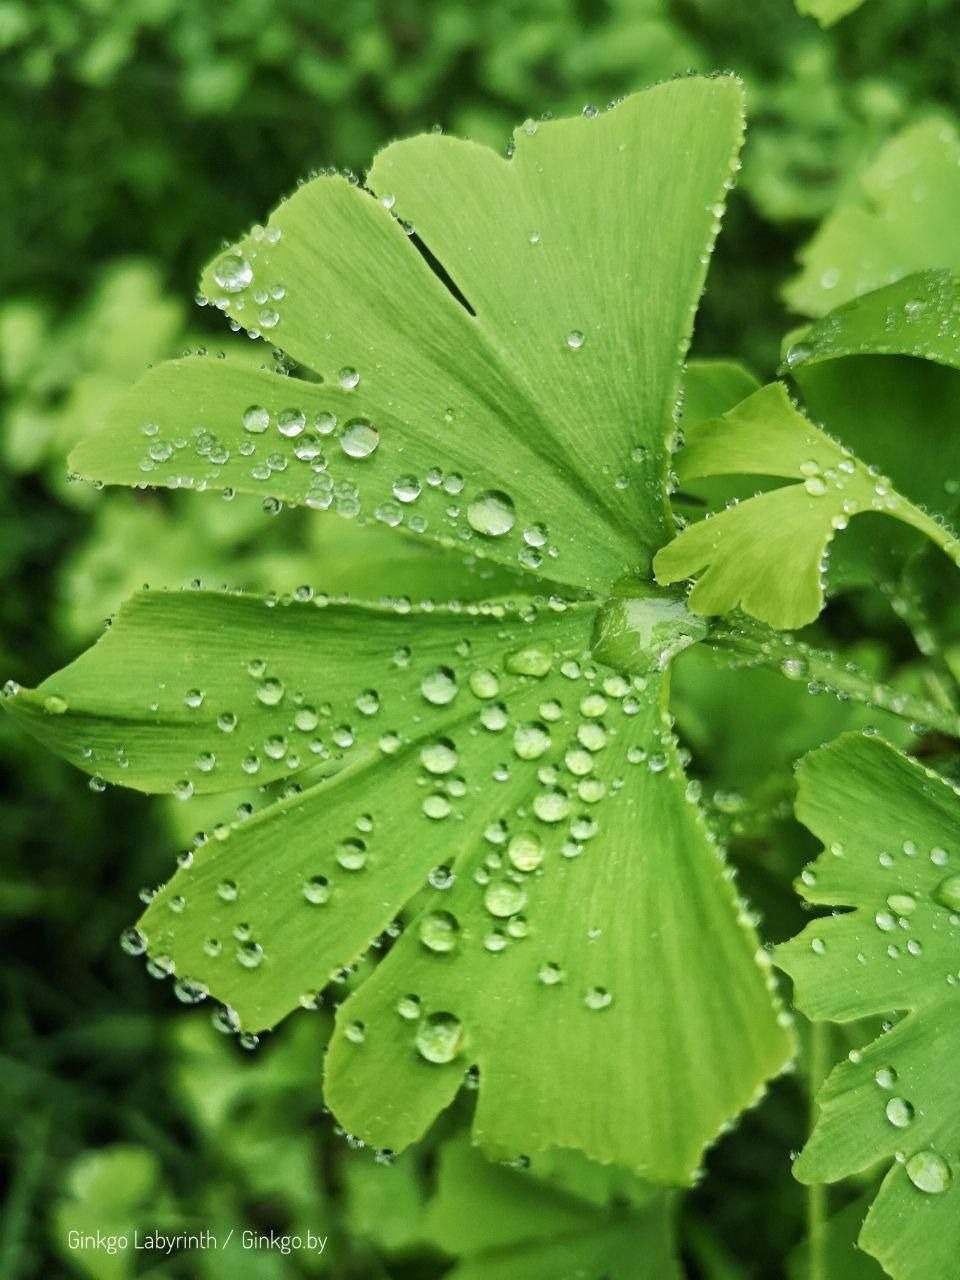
(136, 136)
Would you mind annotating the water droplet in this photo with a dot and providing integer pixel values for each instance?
(355, 1032)
(929, 1172)
(232, 272)
(531, 741)
(359, 438)
(901, 903)
(408, 1007)
(55, 705)
(270, 691)
(352, 854)
(438, 931)
(291, 423)
(550, 974)
(250, 954)
(439, 686)
(598, 998)
(525, 851)
(886, 1077)
(491, 513)
(504, 898)
(439, 757)
(551, 806)
(348, 378)
(899, 1112)
(439, 1037)
(533, 660)
(133, 942)
(317, 890)
(575, 339)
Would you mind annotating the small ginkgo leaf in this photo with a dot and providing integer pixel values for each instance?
(904, 219)
(520, 398)
(767, 555)
(502, 1222)
(508, 817)
(891, 831)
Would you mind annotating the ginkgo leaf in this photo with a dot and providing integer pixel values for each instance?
(767, 555)
(518, 402)
(526, 790)
(505, 384)
(904, 219)
(501, 1222)
(891, 831)
(202, 691)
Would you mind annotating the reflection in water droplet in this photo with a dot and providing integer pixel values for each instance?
(439, 1037)
(232, 272)
(929, 1172)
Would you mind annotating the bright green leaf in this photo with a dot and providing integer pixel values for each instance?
(530, 409)
(891, 831)
(903, 220)
(503, 791)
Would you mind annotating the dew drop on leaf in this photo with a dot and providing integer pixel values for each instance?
(439, 686)
(439, 1037)
(438, 931)
(598, 998)
(899, 1112)
(929, 1172)
(232, 272)
(504, 898)
(525, 851)
(491, 513)
(317, 890)
(270, 691)
(359, 438)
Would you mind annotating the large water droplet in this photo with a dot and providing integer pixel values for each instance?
(929, 1172)
(899, 1112)
(232, 272)
(439, 1037)
(359, 438)
(504, 898)
(438, 931)
(439, 686)
(491, 513)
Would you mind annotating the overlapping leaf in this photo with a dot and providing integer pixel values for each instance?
(903, 220)
(504, 1223)
(768, 554)
(506, 386)
(891, 831)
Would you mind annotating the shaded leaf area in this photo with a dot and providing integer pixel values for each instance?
(515, 828)
(502, 1222)
(539, 411)
(837, 1256)
(891, 831)
(203, 691)
(902, 220)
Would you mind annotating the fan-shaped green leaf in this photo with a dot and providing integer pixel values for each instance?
(528, 404)
(767, 555)
(549, 795)
(891, 830)
(507, 385)
(904, 219)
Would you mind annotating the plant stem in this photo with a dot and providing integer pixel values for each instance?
(817, 1207)
(941, 535)
(755, 645)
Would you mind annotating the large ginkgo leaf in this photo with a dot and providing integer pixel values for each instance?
(526, 411)
(507, 813)
(891, 831)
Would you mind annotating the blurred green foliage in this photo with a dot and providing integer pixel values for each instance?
(135, 136)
